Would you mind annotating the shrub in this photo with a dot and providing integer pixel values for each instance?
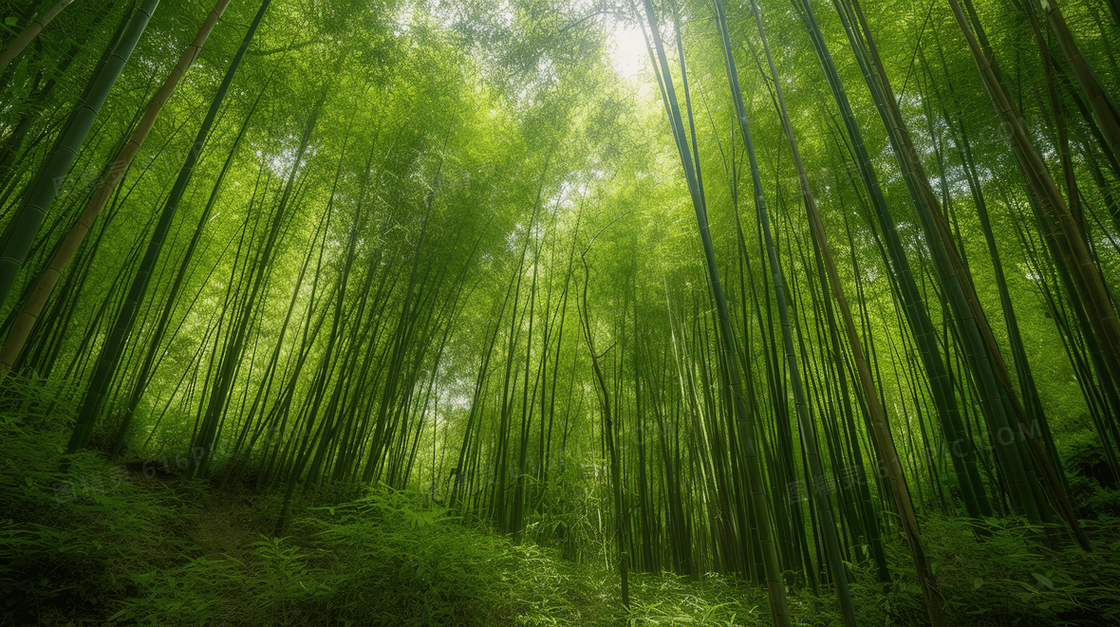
(68, 538)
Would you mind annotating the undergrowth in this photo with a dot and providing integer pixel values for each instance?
(1005, 575)
(97, 545)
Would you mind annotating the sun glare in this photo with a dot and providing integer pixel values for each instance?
(628, 50)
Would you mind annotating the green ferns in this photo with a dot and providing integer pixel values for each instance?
(146, 552)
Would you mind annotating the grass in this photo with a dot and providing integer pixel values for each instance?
(99, 546)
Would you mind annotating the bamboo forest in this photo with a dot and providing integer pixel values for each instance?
(560, 312)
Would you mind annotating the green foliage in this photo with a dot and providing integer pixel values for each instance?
(417, 565)
(273, 584)
(70, 539)
(667, 599)
(382, 559)
(179, 596)
(1092, 485)
(387, 546)
(1005, 578)
(130, 554)
(36, 402)
(476, 127)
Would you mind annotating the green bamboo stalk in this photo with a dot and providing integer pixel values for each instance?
(1103, 107)
(114, 172)
(983, 357)
(22, 230)
(30, 32)
(747, 444)
(809, 438)
(1069, 238)
(111, 352)
(915, 309)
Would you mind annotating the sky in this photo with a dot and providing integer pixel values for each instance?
(629, 54)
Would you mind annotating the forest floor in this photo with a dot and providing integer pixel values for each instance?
(104, 546)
